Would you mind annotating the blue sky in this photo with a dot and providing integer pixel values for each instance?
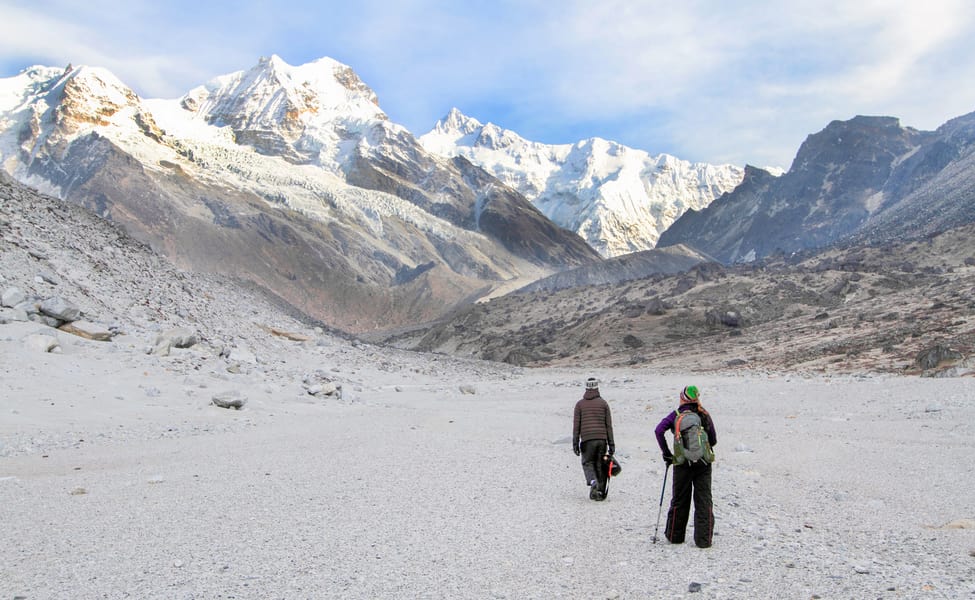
(707, 81)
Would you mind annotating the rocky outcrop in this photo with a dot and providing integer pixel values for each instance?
(649, 263)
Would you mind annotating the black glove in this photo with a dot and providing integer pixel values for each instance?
(668, 458)
(576, 450)
(612, 449)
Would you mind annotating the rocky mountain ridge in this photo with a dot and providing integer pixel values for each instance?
(896, 308)
(868, 179)
(294, 179)
(637, 265)
(902, 307)
(618, 199)
(291, 177)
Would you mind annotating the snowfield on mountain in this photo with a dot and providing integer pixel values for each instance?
(618, 199)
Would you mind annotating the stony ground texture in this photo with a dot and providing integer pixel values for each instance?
(429, 476)
(848, 488)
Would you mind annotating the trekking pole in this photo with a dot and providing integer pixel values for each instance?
(662, 489)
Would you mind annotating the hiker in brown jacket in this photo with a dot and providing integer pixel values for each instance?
(592, 437)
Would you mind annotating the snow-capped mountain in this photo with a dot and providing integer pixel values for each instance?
(313, 113)
(619, 199)
(291, 177)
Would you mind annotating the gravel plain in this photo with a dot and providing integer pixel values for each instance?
(356, 471)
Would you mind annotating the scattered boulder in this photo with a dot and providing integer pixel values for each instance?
(242, 355)
(468, 389)
(329, 388)
(179, 337)
(932, 357)
(58, 308)
(632, 311)
(631, 341)
(88, 330)
(519, 357)
(11, 297)
(732, 318)
(232, 399)
(45, 320)
(318, 384)
(42, 342)
(729, 318)
(288, 335)
(47, 277)
(708, 271)
(840, 287)
(12, 315)
(960, 369)
(656, 307)
(684, 284)
(28, 306)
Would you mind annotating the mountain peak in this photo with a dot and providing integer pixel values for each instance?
(271, 61)
(841, 141)
(273, 88)
(99, 79)
(457, 122)
(273, 105)
(91, 96)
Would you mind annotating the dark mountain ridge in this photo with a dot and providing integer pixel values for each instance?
(856, 177)
(901, 308)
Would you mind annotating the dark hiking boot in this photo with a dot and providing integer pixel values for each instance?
(594, 491)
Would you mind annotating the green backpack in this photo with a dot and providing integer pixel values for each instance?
(690, 439)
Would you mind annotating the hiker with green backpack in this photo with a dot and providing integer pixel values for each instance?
(694, 437)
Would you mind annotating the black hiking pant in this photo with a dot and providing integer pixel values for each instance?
(592, 462)
(691, 480)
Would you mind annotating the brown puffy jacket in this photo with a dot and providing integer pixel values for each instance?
(592, 420)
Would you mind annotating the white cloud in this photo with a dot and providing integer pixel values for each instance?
(716, 81)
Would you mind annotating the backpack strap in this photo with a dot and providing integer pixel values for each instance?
(680, 416)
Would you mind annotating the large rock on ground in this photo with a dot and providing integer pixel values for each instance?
(88, 330)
